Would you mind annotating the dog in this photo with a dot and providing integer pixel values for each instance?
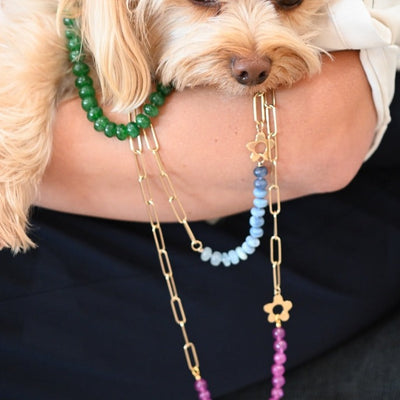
(238, 46)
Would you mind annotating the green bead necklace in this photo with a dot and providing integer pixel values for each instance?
(87, 93)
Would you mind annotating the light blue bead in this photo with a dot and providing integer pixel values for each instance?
(260, 203)
(216, 259)
(256, 222)
(259, 193)
(241, 253)
(256, 232)
(226, 260)
(252, 241)
(206, 254)
(260, 172)
(257, 212)
(248, 249)
(233, 257)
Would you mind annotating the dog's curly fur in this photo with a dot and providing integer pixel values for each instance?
(131, 42)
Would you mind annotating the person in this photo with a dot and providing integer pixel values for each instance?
(86, 314)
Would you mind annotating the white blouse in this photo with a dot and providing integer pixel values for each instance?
(373, 27)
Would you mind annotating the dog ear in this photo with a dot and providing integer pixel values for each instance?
(120, 57)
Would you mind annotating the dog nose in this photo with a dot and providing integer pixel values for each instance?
(251, 71)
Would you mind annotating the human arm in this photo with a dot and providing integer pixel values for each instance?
(326, 126)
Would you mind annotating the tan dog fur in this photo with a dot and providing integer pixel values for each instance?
(132, 43)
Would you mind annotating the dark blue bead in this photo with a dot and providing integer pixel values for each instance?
(260, 183)
(260, 172)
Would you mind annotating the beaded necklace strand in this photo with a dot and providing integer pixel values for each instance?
(94, 113)
(263, 149)
(101, 123)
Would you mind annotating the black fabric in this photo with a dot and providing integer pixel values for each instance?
(87, 315)
(364, 368)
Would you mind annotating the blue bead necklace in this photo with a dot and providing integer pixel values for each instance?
(256, 231)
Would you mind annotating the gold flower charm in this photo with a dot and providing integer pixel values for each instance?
(284, 307)
(259, 148)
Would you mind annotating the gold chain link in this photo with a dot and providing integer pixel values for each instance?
(266, 123)
(152, 144)
(178, 311)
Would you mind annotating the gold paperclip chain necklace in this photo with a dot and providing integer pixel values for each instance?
(264, 149)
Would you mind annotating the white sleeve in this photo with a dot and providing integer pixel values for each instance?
(373, 27)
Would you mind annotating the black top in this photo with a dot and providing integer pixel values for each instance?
(86, 316)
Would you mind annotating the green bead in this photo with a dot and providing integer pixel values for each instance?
(74, 43)
(94, 113)
(76, 55)
(101, 123)
(165, 90)
(82, 81)
(80, 69)
(88, 95)
(133, 130)
(142, 121)
(122, 132)
(70, 33)
(157, 99)
(111, 129)
(89, 103)
(86, 91)
(150, 110)
(69, 22)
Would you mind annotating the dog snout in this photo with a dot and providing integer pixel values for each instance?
(251, 71)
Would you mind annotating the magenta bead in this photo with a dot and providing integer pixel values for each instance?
(201, 385)
(278, 333)
(278, 381)
(277, 369)
(277, 393)
(280, 358)
(280, 345)
(205, 395)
